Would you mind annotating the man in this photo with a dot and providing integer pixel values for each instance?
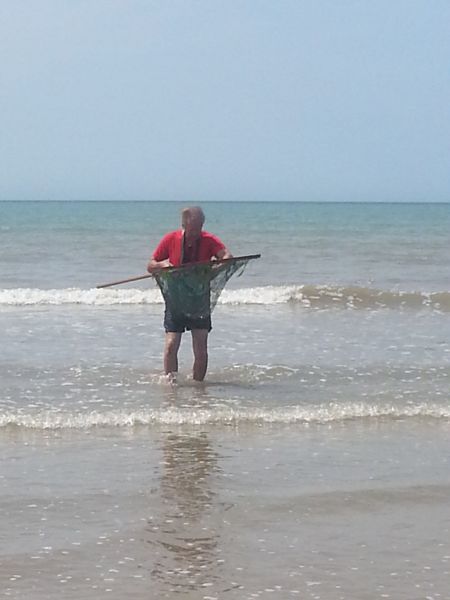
(189, 244)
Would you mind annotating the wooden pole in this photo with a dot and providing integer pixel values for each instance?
(104, 285)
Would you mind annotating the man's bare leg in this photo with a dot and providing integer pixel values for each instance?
(200, 348)
(171, 346)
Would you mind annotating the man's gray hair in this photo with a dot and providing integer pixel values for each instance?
(191, 212)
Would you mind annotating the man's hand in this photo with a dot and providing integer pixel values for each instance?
(155, 265)
(223, 254)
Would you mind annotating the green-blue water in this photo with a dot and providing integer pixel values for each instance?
(68, 244)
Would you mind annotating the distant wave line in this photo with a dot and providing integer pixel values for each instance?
(307, 296)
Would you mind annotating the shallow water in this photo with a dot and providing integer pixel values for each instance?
(80, 367)
(354, 510)
(313, 461)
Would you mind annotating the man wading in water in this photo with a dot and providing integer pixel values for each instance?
(187, 245)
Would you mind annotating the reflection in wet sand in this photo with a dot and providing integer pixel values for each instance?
(184, 533)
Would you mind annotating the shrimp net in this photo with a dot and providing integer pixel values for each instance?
(193, 290)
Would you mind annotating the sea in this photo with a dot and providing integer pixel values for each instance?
(312, 463)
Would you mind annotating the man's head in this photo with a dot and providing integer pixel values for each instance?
(192, 219)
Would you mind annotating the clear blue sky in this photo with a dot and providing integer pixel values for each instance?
(198, 100)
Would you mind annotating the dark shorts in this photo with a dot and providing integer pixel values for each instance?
(181, 324)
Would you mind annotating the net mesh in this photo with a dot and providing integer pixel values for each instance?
(193, 290)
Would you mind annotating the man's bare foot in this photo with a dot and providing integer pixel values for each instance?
(171, 378)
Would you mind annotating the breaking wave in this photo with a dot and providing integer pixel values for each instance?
(326, 414)
(307, 296)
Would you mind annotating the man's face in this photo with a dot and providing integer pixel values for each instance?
(193, 227)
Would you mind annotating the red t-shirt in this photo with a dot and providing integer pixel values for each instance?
(171, 247)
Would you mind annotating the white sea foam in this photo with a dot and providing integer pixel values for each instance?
(315, 296)
(105, 297)
(328, 413)
(91, 297)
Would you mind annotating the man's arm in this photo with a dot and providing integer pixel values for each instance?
(160, 257)
(223, 253)
(155, 265)
(217, 248)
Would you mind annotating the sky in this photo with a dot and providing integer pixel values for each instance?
(217, 100)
